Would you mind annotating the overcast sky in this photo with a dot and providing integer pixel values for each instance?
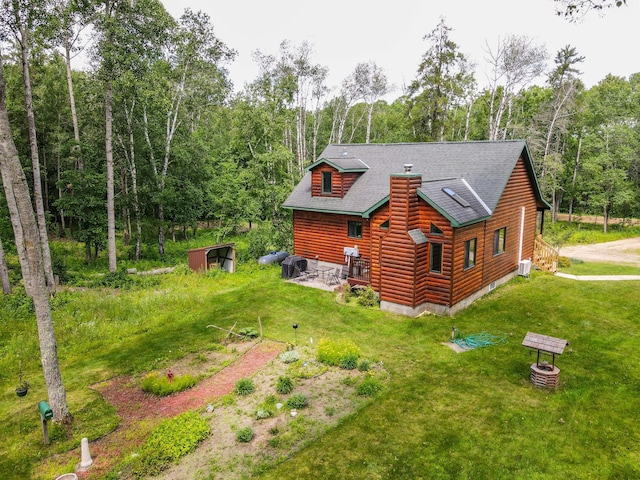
(391, 33)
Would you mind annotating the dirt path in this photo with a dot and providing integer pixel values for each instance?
(625, 251)
(134, 406)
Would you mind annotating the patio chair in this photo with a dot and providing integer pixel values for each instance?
(333, 277)
(312, 268)
(344, 272)
(299, 275)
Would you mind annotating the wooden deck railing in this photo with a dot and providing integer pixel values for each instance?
(545, 257)
(359, 272)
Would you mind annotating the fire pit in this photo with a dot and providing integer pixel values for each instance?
(543, 374)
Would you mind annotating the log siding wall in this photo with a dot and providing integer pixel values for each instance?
(400, 270)
(489, 267)
(326, 235)
(340, 182)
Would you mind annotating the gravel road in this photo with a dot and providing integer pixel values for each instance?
(621, 251)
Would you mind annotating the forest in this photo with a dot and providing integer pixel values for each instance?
(149, 139)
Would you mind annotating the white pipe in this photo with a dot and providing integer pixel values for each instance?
(521, 236)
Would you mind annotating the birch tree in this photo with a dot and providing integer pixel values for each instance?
(23, 17)
(373, 85)
(29, 246)
(196, 78)
(515, 62)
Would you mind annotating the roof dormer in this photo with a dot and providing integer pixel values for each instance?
(333, 177)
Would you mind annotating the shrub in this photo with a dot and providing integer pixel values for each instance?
(267, 408)
(364, 365)
(170, 441)
(117, 279)
(367, 297)
(349, 361)
(244, 386)
(159, 384)
(369, 387)
(297, 400)
(332, 352)
(284, 385)
(261, 414)
(564, 262)
(290, 356)
(244, 435)
(248, 332)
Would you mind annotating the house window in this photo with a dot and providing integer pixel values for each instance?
(355, 229)
(384, 225)
(434, 230)
(469, 253)
(326, 182)
(435, 258)
(499, 240)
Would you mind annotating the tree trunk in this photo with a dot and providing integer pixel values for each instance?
(576, 166)
(35, 161)
(161, 229)
(111, 209)
(72, 102)
(4, 272)
(29, 243)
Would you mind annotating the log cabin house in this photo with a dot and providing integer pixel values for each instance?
(434, 225)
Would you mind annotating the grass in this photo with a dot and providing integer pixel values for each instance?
(579, 267)
(565, 234)
(443, 415)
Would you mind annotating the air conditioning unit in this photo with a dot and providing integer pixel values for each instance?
(524, 268)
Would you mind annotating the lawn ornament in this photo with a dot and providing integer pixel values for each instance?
(169, 376)
(544, 374)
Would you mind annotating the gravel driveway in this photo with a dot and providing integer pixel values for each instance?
(621, 251)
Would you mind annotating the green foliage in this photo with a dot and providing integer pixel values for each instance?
(369, 387)
(159, 384)
(284, 385)
(244, 386)
(366, 297)
(331, 352)
(349, 361)
(18, 304)
(118, 279)
(297, 401)
(244, 435)
(170, 441)
(248, 332)
(267, 408)
(289, 356)
(564, 262)
(364, 365)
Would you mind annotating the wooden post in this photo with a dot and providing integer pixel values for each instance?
(45, 430)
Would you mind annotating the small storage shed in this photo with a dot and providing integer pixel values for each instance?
(221, 257)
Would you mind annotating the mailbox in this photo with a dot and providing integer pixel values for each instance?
(45, 410)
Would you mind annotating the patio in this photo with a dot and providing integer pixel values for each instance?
(323, 269)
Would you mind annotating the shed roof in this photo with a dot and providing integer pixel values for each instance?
(478, 171)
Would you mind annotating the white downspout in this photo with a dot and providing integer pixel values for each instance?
(521, 236)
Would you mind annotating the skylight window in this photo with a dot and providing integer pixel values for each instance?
(456, 197)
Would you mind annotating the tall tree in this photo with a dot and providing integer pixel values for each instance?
(25, 16)
(28, 241)
(191, 78)
(129, 31)
(565, 84)
(444, 80)
(373, 85)
(515, 62)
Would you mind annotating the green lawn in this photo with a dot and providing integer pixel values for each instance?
(579, 267)
(443, 415)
